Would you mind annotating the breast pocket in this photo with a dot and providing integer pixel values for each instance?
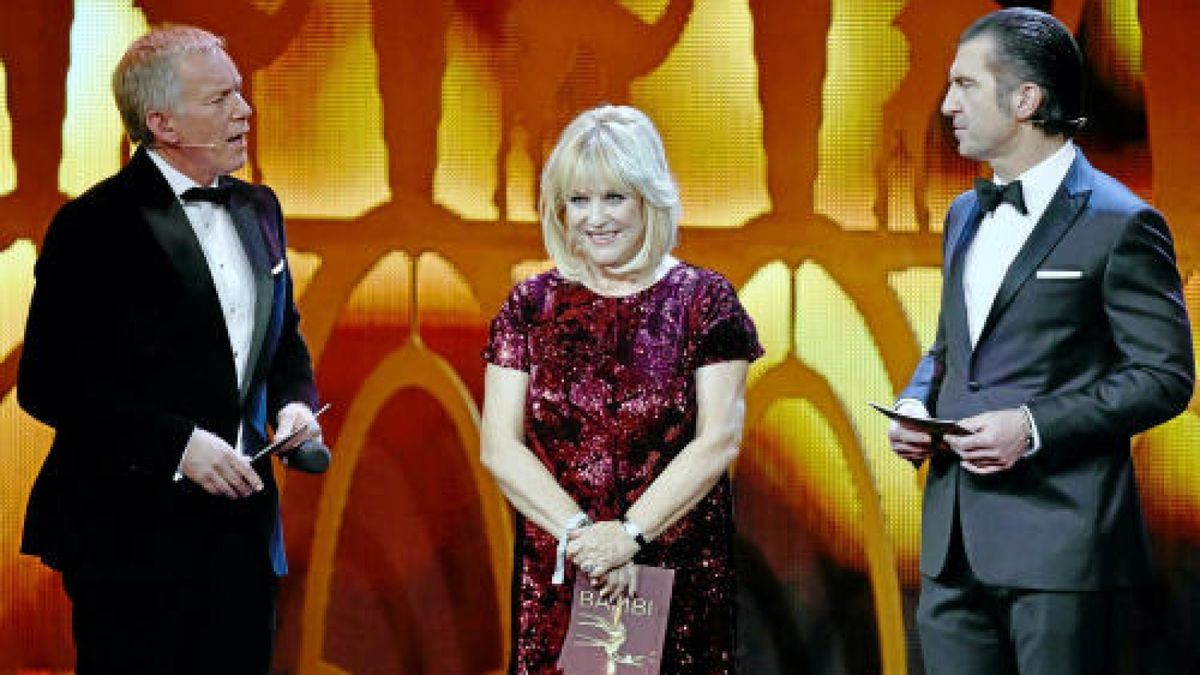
(1063, 299)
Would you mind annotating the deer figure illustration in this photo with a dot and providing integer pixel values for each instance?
(614, 636)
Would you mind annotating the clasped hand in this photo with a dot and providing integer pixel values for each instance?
(997, 439)
(909, 441)
(604, 551)
(211, 463)
(218, 469)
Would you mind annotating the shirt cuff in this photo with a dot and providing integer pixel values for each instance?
(1035, 440)
(179, 469)
(901, 402)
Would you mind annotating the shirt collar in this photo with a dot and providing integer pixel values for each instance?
(1040, 181)
(175, 178)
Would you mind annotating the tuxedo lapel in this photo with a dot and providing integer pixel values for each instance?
(170, 226)
(245, 220)
(174, 234)
(956, 301)
(1060, 216)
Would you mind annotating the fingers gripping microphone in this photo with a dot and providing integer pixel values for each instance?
(311, 456)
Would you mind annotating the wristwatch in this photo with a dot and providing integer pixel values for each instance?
(634, 532)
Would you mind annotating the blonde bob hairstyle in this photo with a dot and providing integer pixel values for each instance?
(616, 144)
(147, 77)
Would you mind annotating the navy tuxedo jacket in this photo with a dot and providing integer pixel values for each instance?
(1089, 330)
(125, 353)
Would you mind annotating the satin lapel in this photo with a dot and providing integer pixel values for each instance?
(1060, 215)
(245, 220)
(171, 228)
(955, 297)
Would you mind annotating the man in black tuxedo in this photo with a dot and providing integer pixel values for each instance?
(162, 340)
(1062, 333)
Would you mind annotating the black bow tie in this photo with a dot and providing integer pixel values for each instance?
(991, 195)
(216, 195)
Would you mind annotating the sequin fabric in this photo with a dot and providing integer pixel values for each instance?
(611, 401)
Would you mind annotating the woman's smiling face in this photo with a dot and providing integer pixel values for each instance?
(606, 224)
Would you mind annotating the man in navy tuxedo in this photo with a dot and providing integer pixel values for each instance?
(162, 340)
(1062, 333)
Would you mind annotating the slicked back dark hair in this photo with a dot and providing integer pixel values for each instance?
(1033, 46)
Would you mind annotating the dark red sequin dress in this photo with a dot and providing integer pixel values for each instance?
(611, 401)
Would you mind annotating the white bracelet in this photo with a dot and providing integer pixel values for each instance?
(560, 564)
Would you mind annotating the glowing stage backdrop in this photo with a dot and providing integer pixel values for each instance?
(404, 140)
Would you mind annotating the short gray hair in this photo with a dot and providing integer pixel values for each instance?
(147, 77)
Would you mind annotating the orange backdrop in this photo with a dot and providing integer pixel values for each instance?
(404, 138)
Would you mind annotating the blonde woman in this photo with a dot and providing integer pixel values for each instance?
(614, 401)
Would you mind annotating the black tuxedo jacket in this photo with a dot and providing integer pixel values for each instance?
(1089, 330)
(125, 353)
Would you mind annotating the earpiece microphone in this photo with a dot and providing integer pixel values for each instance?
(207, 146)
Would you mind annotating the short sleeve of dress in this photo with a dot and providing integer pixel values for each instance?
(508, 335)
(726, 332)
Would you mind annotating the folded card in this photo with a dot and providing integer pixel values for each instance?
(626, 635)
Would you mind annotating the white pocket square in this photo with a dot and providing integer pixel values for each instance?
(278, 267)
(1060, 274)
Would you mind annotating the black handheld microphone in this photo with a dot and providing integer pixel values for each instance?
(311, 456)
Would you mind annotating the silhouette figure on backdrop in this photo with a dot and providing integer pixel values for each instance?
(410, 48)
(790, 47)
(36, 87)
(559, 57)
(1169, 48)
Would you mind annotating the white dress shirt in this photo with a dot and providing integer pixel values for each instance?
(1003, 232)
(1001, 236)
(228, 265)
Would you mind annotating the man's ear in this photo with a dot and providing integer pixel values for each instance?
(1028, 99)
(162, 127)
